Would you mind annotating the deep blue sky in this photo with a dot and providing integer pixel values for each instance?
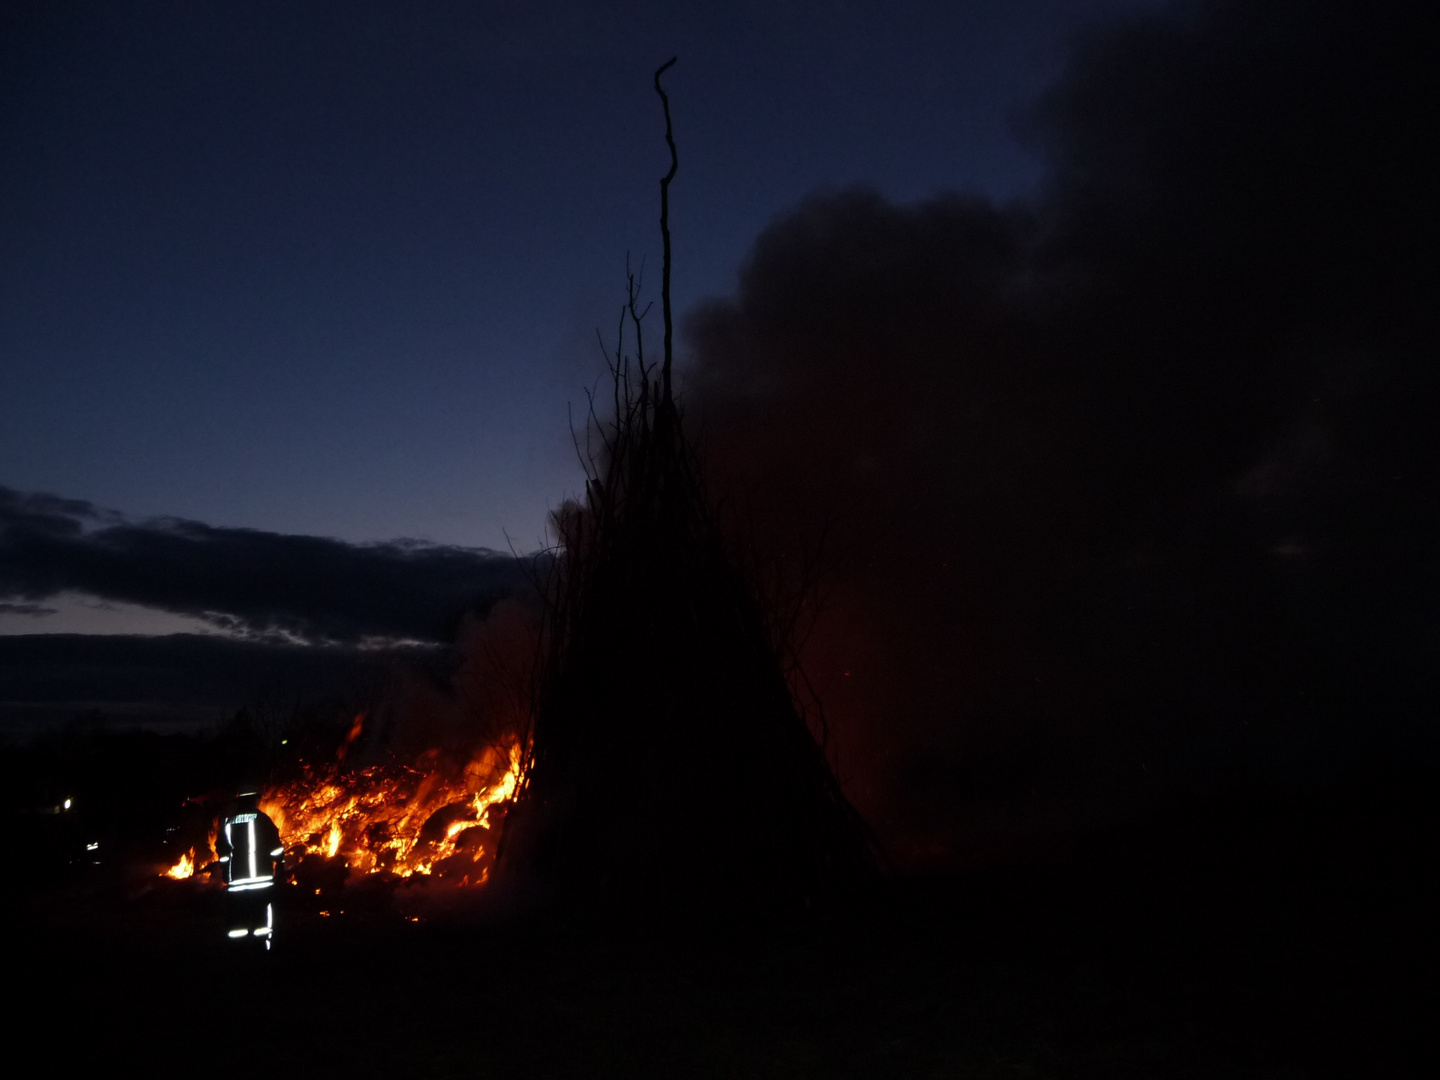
(1147, 449)
(336, 268)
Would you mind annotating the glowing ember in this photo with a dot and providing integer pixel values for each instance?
(184, 868)
(429, 818)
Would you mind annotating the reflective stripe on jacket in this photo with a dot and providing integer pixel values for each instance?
(249, 844)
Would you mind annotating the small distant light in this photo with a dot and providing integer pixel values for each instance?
(92, 847)
(284, 742)
(67, 804)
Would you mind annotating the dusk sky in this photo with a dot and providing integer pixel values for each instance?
(1099, 331)
(1019, 653)
(337, 269)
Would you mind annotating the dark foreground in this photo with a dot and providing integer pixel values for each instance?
(1277, 941)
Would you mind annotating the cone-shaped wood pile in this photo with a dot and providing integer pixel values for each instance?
(669, 759)
(669, 763)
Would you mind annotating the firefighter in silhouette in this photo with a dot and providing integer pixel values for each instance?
(249, 847)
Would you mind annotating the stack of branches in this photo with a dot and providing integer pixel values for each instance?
(669, 757)
(670, 763)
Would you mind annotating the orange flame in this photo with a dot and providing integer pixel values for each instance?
(404, 820)
(184, 868)
(354, 733)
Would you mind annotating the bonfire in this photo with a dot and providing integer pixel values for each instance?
(666, 761)
(426, 817)
(437, 816)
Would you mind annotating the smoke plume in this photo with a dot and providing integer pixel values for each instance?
(1132, 481)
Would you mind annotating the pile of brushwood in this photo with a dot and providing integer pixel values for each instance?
(671, 767)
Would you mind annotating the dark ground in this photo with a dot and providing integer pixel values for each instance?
(1270, 939)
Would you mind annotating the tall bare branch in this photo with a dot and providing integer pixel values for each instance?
(665, 225)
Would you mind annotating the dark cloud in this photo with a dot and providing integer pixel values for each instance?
(26, 609)
(254, 582)
(1137, 477)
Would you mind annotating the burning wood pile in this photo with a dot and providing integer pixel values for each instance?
(666, 763)
(437, 817)
(428, 817)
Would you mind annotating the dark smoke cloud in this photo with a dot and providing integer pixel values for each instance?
(245, 580)
(1136, 478)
